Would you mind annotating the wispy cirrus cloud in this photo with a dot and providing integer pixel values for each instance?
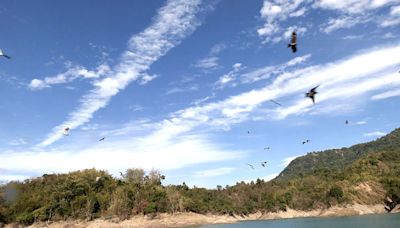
(72, 73)
(348, 14)
(387, 94)
(374, 134)
(173, 23)
(212, 60)
(214, 172)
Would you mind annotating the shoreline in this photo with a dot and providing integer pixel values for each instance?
(189, 219)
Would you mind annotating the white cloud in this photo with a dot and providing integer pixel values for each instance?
(72, 73)
(182, 89)
(173, 23)
(229, 78)
(340, 23)
(268, 71)
(147, 78)
(388, 94)
(216, 49)
(208, 63)
(136, 108)
(353, 37)
(276, 14)
(148, 152)
(273, 12)
(374, 134)
(286, 161)
(214, 172)
(18, 142)
(361, 122)
(352, 6)
(389, 35)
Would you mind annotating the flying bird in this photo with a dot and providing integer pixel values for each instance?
(263, 164)
(102, 139)
(4, 55)
(267, 148)
(311, 93)
(346, 122)
(307, 141)
(251, 166)
(66, 131)
(275, 102)
(293, 42)
(248, 132)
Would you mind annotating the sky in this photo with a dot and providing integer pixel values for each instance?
(185, 86)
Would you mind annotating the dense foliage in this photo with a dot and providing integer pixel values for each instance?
(369, 178)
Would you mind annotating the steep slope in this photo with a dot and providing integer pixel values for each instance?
(338, 159)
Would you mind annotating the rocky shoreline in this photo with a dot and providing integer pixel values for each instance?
(193, 219)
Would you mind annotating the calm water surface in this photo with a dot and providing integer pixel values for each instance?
(366, 221)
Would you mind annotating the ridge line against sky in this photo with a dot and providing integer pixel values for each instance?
(173, 22)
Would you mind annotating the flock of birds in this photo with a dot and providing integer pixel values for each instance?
(310, 94)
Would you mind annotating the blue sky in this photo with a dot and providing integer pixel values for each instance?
(176, 85)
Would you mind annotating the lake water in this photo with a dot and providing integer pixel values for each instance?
(365, 221)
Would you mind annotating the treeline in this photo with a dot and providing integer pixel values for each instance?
(90, 194)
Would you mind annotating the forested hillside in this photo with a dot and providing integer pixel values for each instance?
(367, 174)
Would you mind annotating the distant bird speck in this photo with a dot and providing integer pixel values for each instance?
(275, 102)
(102, 139)
(307, 141)
(66, 131)
(267, 148)
(251, 166)
(248, 132)
(346, 122)
(263, 164)
(293, 42)
(311, 93)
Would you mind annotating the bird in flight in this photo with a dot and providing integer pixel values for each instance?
(4, 55)
(311, 93)
(275, 102)
(263, 164)
(307, 141)
(293, 42)
(346, 122)
(267, 148)
(66, 131)
(102, 139)
(248, 132)
(251, 166)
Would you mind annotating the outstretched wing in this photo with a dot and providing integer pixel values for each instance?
(294, 48)
(313, 90)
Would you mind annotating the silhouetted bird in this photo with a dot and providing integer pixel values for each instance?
(307, 141)
(266, 148)
(347, 122)
(66, 131)
(4, 55)
(102, 139)
(275, 102)
(293, 42)
(251, 166)
(263, 164)
(311, 93)
(248, 132)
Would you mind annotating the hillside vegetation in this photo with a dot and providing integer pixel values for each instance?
(366, 173)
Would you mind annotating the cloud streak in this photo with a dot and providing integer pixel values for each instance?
(173, 23)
